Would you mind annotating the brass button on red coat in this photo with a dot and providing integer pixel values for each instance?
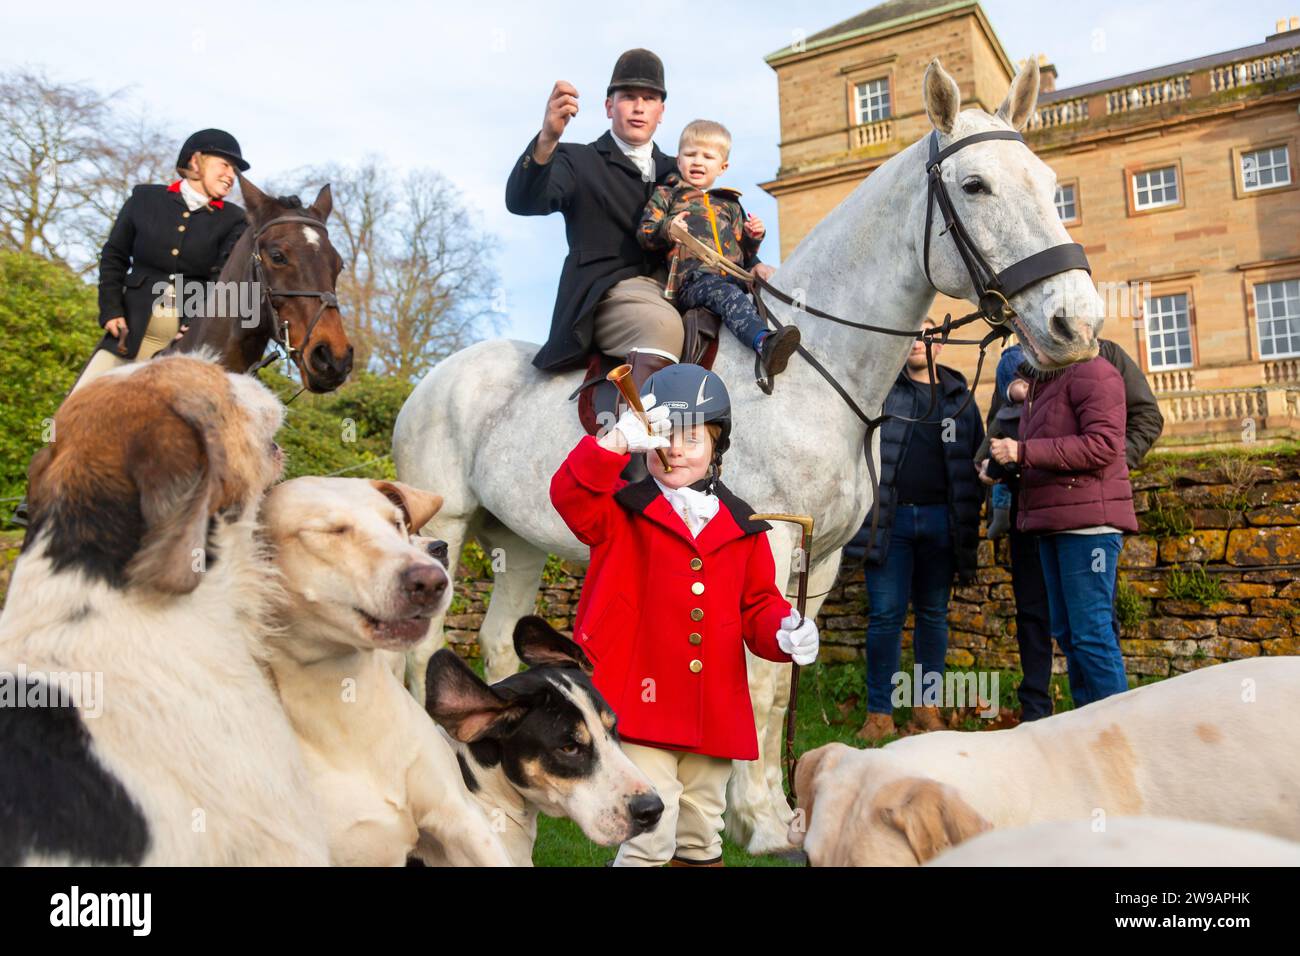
(696, 666)
(696, 564)
(697, 588)
(695, 638)
(697, 614)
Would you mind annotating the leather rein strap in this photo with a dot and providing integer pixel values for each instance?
(993, 291)
(280, 330)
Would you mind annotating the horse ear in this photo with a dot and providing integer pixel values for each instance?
(942, 97)
(324, 203)
(260, 206)
(1022, 97)
(538, 645)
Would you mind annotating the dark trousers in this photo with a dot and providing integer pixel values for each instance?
(1033, 625)
(727, 298)
(917, 570)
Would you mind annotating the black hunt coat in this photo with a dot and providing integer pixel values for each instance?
(157, 239)
(601, 195)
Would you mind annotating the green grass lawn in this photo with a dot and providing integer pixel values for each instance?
(832, 706)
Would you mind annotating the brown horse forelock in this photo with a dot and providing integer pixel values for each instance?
(325, 360)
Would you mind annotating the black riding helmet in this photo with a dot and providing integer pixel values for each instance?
(694, 396)
(216, 141)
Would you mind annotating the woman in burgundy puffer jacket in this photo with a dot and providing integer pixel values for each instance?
(1075, 494)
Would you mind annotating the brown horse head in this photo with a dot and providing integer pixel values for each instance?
(297, 257)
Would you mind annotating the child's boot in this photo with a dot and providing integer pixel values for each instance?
(774, 350)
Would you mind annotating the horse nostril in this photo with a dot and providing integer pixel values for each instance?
(1062, 327)
(645, 809)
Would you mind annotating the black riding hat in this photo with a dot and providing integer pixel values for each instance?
(694, 396)
(638, 68)
(216, 141)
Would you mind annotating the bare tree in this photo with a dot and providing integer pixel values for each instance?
(68, 161)
(419, 281)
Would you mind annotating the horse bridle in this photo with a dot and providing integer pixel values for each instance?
(993, 291)
(280, 330)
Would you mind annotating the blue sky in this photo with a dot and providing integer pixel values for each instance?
(461, 87)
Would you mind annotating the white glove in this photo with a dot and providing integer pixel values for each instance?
(634, 432)
(798, 640)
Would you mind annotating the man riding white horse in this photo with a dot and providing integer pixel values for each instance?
(610, 296)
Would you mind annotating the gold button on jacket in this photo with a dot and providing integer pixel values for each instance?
(697, 614)
(695, 638)
(696, 667)
(696, 564)
(697, 588)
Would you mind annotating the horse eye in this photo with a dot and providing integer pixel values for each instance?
(972, 187)
(278, 257)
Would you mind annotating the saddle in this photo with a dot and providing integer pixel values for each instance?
(598, 397)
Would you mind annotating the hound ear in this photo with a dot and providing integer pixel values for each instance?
(261, 208)
(323, 205)
(180, 467)
(418, 506)
(538, 645)
(931, 815)
(459, 702)
(1022, 97)
(942, 97)
(806, 771)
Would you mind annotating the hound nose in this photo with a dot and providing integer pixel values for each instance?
(438, 551)
(645, 810)
(424, 584)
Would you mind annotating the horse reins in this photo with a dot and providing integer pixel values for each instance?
(993, 291)
(279, 329)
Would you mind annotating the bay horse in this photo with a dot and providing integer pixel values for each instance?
(486, 430)
(287, 270)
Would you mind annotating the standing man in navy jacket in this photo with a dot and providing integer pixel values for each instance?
(608, 298)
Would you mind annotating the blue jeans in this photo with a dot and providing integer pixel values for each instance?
(917, 569)
(1001, 496)
(1079, 571)
(727, 298)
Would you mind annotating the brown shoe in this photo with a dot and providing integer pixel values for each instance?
(925, 719)
(678, 861)
(877, 727)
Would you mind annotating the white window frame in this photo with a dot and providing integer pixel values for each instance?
(879, 99)
(1285, 165)
(1073, 202)
(1139, 205)
(1151, 311)
(1293, 315)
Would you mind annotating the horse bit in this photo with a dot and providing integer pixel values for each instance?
(280, 330)
(992, 290)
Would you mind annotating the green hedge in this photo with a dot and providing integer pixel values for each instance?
(47, 330)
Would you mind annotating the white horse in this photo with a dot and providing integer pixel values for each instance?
(486, 430)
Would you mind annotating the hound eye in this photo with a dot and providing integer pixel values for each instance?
(569, 750)
(973, 186)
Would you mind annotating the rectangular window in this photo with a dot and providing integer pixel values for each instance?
(1169, 332)
(1155, 187)
(1265, 168)
(872, 99)
(1066, 207)
(1277, 316)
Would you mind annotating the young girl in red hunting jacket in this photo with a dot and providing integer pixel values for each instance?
(680, 582)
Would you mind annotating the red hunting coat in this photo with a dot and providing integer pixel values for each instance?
(666, 617)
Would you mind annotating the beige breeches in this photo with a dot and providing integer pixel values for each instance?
(163, 326)
(693, 788)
